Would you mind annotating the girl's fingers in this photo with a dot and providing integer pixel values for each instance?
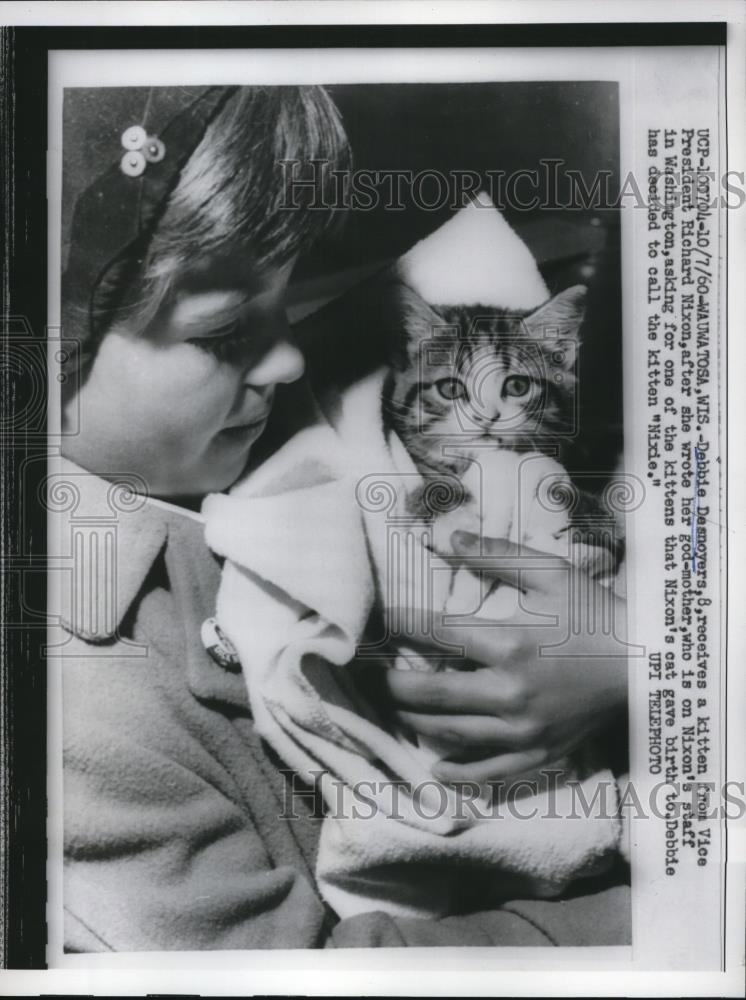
(481, 642)
(517, 565)
(461, 731)
(443, 637)
(475, 692)
(499, 768)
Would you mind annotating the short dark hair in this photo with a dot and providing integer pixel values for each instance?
(232, 195)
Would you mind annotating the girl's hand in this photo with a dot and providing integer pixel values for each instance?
(542, 687)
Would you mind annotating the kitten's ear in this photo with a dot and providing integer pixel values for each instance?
(413, 318)
(557, 323)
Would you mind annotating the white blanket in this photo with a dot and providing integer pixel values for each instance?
(313, 540)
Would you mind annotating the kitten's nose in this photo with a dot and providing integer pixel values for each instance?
(487, 419)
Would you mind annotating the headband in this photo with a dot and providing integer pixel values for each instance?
(116, 215)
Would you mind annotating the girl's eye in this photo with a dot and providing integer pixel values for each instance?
(225, 343)
(451, 388)
(517, 386)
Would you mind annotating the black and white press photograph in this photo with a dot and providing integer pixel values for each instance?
(365, 603)
(343, 654)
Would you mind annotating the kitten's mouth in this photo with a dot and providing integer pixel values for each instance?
(481, 437)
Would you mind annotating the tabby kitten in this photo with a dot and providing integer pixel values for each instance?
(464, 379)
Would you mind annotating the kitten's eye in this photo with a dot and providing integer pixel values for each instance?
(517, 386)
(451, 388)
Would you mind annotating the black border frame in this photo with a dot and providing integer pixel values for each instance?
(23, 148)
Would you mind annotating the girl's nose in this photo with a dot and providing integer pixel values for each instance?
(283, 362)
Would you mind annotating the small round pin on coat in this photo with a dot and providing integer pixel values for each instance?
(219, 646)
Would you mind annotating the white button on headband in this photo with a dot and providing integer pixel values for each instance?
(133, 164)
(134, 137)
(141, 150)
(153, 150)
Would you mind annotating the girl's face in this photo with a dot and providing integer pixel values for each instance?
(181, 403)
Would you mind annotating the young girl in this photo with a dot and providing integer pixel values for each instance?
(178, 828)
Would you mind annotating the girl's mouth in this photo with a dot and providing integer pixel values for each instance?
(239, 431)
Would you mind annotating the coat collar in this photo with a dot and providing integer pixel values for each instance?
(106, 541)
(103, 540)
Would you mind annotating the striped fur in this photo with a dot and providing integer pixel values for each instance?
(490, 353)
(484, 349)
